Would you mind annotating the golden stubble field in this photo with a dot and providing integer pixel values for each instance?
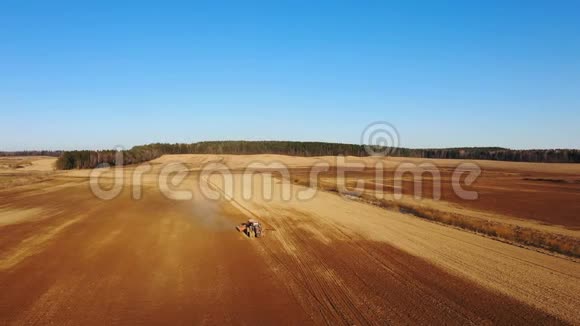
(68, 257)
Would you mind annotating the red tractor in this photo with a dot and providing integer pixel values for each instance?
(251, 228)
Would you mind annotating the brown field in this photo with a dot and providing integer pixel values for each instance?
(67, 257)
(527, 203)
(16, 171)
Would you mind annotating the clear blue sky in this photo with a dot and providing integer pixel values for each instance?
(97, 74)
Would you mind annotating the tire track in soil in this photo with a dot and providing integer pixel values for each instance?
(353, 281)
(140, 262)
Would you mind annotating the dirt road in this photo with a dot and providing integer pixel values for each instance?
(67, 257)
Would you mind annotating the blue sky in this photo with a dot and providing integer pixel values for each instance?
(97, 74)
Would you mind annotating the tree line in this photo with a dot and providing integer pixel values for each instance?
(497, 154)
(32, 153)
(91, 159)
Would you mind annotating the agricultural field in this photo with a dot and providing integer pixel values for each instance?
(172, 255)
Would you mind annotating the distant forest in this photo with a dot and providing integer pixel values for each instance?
(90, 159)
(32, 153)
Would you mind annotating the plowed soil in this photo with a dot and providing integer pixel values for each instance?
(67, 257)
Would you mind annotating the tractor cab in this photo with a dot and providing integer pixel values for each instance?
(252, 228)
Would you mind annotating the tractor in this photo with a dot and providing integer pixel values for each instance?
(251, 228)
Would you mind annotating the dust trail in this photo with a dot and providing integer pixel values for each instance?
(210, 214)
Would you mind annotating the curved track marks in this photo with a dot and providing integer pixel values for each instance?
(153, 261)
(328, 261)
